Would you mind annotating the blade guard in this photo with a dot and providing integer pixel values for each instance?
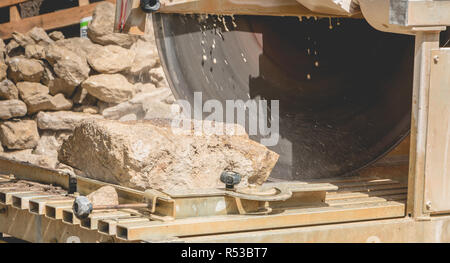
(129, 18)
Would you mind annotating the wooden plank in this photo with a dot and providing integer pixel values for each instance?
(48, 21)
(14, 15)
(4, 3)
(437, 160)
(83, 2)
(230, 7)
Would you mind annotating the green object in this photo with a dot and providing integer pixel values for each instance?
(84, 23)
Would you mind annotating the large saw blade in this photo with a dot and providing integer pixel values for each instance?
(344, 89)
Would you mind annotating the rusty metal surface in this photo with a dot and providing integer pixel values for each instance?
(50, 219)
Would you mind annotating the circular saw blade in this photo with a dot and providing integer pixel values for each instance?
(344, 89)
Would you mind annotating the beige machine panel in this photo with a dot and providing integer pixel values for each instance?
(437, 164)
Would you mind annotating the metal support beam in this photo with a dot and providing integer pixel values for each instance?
(427, 39)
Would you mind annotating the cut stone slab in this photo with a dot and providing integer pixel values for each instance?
(112, 88)
(12, 108)
(106, 195)
(149, 154)
(111, 59)
(24, 69)
(101, 28)
(19, 135)
(62, 120)
(8, 90)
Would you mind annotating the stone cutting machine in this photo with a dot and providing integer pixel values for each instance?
(353, 79)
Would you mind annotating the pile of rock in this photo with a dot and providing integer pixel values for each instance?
(49, 84)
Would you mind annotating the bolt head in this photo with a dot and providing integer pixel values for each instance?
(230, 179)
(82, 207)
(436, 59)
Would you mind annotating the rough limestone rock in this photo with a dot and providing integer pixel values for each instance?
(149, 105)
(62, 120)
(12, 108)
(158, 77)
(87, 109)
(8, 90)
(81, 96)
(56, 35)
(101, 28)
(112, 88)
(47, 145)
(39, 35)
(22, 39)
(67, 64)
(13, 48)
(149, 154)
(3, 69)
(106, 195)
(35, 51)
(50, 142)
(57, 85)
(19, 135)
(78, 45)
(36, 96)
(28, 157)
(28, 89)
(2, 50)
(146, 58)
(111, 59)
(24, 69)
(40, 102)
(144, 87)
